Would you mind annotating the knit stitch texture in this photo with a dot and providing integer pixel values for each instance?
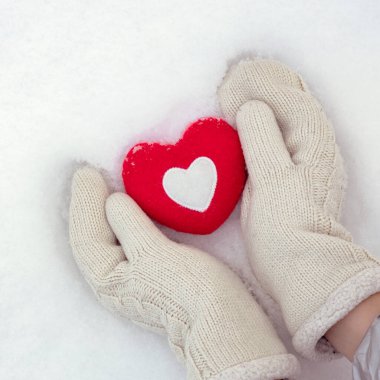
(212, 322)
(300, 253)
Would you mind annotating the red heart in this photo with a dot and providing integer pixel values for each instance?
(191, 200)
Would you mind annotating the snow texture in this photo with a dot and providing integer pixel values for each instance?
(84, 80)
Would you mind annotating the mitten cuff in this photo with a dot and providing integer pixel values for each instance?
(309, 339)
(273, 367)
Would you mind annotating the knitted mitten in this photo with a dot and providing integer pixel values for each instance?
(212, 322)
(301, 254)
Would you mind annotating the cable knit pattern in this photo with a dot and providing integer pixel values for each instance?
(301, 254)
(213, 324)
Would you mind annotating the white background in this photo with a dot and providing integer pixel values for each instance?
(84, 80)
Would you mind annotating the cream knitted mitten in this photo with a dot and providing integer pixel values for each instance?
(303, 257)
(213, 324)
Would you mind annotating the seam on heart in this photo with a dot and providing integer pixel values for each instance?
(179, 191)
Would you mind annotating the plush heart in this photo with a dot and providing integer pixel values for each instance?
(193, 185)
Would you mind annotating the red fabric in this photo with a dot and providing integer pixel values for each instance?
(146, 164)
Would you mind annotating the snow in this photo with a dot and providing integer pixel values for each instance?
(84, 80)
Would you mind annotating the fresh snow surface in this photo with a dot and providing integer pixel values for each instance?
(84, 80)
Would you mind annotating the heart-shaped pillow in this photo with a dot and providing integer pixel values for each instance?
(193, 185)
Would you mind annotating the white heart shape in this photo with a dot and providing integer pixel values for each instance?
(194, 187)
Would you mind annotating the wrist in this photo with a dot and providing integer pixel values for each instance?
(347, 334)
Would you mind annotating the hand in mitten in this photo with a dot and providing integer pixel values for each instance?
(212, 322)
(303, 257)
